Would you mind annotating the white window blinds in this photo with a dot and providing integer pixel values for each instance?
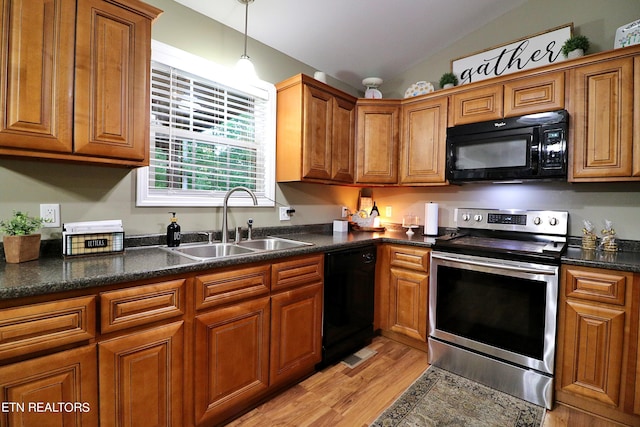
(208, 135)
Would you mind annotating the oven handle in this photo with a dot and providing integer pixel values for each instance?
(493, 265)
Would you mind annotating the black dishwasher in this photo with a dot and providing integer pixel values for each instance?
(348, 302)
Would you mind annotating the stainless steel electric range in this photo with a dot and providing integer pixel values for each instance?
(493, 299)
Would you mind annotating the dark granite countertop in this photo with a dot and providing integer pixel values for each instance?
(622, 260)
(56, 274)
(53, 274)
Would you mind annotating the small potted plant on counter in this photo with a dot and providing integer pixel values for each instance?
(20, 244)
(448, 80)
(575, 47)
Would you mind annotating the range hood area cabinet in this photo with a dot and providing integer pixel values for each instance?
(75, 80)
(315, 132)
(526, 95)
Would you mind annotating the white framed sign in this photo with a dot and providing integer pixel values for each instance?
(523, 54)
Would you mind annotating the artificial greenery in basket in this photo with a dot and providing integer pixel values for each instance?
(448, 79)
(20, 243)
(574, 43)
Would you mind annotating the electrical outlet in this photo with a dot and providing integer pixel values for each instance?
(50, 213)
(345, 212)
(284, 215)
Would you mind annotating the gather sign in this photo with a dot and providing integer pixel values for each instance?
(526, 53)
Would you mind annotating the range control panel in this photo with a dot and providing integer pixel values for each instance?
(539, 222)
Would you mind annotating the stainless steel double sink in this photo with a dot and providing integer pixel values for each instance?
(209, 251)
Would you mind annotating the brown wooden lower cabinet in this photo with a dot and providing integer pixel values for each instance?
(257, 328)
(402, 282)
(296, 333)
(51, 391)
(141, 377)
(231, 358)
(597, 366)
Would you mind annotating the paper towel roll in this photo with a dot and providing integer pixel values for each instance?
(431, 219)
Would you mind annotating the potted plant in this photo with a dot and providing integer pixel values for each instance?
(575, 46)
(448, 80)
(20, 244)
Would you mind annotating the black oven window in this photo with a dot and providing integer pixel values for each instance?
(497, 310)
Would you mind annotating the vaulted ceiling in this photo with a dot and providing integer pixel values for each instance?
(354, 39)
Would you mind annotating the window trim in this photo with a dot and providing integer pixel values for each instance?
(193, 64)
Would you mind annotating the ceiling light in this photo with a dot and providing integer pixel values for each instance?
(244, 66)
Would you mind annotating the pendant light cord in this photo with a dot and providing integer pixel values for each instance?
(246, 23)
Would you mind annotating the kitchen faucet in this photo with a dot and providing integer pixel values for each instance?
(225, 231)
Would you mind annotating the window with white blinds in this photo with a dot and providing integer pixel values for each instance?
(209, 133)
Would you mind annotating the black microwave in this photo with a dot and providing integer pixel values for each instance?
(524, 148)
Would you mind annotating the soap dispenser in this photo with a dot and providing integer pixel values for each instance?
(173, 232)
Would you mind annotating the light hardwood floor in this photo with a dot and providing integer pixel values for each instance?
(341, 396)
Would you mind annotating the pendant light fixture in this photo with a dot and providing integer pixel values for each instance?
(244, 66)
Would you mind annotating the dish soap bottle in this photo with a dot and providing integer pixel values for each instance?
(173, 232)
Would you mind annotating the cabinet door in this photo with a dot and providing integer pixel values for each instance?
(36, 81)
(423, 144)
(68, 378)
(534, 94)
(593, 349)
(377, 143)
(318, 119)
(595, 340)
(408, 303)
(477, 105)
(343, 140)
(296, 332)
(113, 52)
(636, 117)
(601, 111)
(141, 378)
(231, 359)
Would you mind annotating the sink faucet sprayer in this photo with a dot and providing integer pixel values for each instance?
(225, 231)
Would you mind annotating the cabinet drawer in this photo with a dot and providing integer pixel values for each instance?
(534, 94)
(140, 305)
(39, 327)
(409, 258)
(477, 105)
(231, 285)
(296, 272)
(605, 286)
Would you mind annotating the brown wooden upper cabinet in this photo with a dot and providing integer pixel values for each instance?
(602, 120)
(377, 140)
(76, 74)
(315, 132)
(423, 142)
(516, 97)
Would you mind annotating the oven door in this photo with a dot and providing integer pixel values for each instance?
(501, 308)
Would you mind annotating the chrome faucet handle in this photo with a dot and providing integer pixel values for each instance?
(238, 234)
(209, 235)
(250, 229)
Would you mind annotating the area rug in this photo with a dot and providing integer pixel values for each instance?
(440, 398)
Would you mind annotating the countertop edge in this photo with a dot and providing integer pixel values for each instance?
(56, 274)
